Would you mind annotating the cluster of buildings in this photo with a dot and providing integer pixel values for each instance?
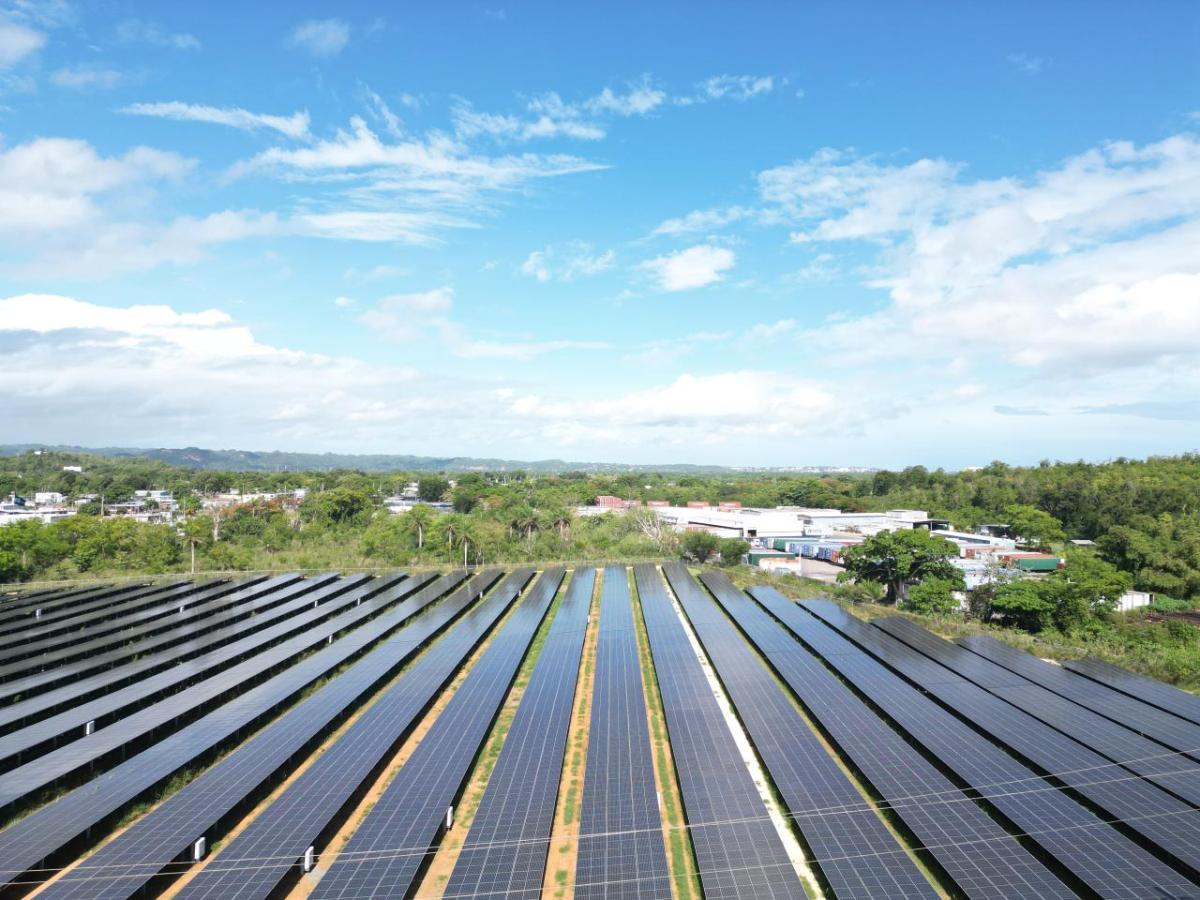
(810, 541)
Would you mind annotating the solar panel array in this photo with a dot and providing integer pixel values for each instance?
(1155, 693)
(505, 851)
(738, 851)
(974, 850)
(905, 766)
(1078, 840)
(393, 844)
(620, 854)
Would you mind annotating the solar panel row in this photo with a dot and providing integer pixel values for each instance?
(738, 851)
(1170, 771)
(505, 850)
(1159, 695)
(106, 746)
(1098, 856)
(861, 857)
(126, 865)
(182, 616)
(974, 851)
(18, 610)
(1155, 724)
(136, 653)
(294, 618)
(49, 834)
(620, 854)
(42, 704)
(67, 628)
(394, 842)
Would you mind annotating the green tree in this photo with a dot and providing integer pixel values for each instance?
(417, 522)
(432, 488)
(897, 559)
(731, 550)
(1032, 526)
(1088, 587)
(337, 507)
(699, 545)
(1025, 603)
(934, 596)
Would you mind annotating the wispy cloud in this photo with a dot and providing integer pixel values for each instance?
(1026, 64)
(17, 42)
(141, 31)
(293, 126)
(321, 37)
(83, 77)
(567, 262)
(738, 88)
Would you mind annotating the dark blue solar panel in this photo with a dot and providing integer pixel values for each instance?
(44, 834)
(1155, 724)
(1184, 704)
(254, 863)
(258, 598)
(620, 851)
(46, 703)
(1170, 771)
(504, 854)
(1097, 855)
(395, 841)
(739, 854)
(971, 847)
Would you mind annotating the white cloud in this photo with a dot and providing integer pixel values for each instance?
(694, 267)
(51, 184)
(567, 262)
(17, 42)
(293, 126)
(382, 113)
(321, 37)
(419, 316)
(81, 78)
(549, 116)
(703, 220)
(140, 31)
(345, 303)
(1026, 64)
(736, 87)
(1084, 269)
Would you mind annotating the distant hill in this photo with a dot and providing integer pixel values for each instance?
(277, 461)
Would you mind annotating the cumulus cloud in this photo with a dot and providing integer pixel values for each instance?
(703, 220)
(17, 42)
(293, 126)
(321, 37)
(567, 262)
(739, 88)
(694, 267)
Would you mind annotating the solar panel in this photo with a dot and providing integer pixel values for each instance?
(71, 673)
(1184, 704)
(505, 850)
(1099, 856)
(393, 844)
(49, 702)
(67, 627)
(294, 618)
(620, 851)
(18, 608)
(1163, 727)
(316, 798)
(46, 835)
(166, 613)
(974, 851)
(1170, 771)
(106, 746)
(738, 851)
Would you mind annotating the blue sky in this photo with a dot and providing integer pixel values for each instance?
(762, 235)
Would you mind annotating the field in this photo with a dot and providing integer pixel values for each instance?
(645, 731)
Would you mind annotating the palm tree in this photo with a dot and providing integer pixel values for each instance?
(417, 520)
